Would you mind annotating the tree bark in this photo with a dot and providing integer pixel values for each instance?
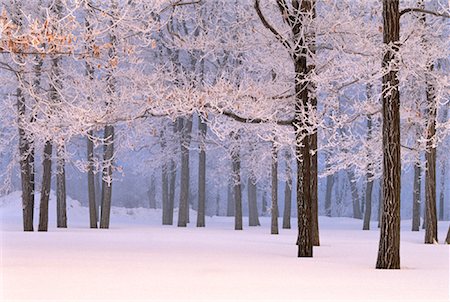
(45, 188)
(108, 153)
(430, 173)
(274, 208)
(152, 193)
(91, 182)
(416, 197)
(202, 127)
(314, 186)
(389, 245)
(253, 219)
(328, 192)
(237, 191)
(442, 192)
(355, 196)
(61, 205)
(369, 177)
(183, 209)
(230, 199)
(26, 167)
(287, 193)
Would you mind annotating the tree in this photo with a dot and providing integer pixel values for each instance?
(287, 192)
(389, 246)
(202, 127)
(274, 207)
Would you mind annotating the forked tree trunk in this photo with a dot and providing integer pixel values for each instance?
(91, 182)
(274, 208)
(108, 148)
(45, 188)
(61, 207)
(253, 219)
(416, 197)
(287, 193)
(202, 127)
(389, 245)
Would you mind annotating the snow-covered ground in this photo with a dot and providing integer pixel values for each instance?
(140, 259)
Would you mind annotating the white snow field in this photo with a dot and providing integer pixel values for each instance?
(140, 259)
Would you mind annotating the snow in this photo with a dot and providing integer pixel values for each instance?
(140, 259)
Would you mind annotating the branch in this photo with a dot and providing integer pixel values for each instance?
(255, 120)
(424, 11)
(277, 35)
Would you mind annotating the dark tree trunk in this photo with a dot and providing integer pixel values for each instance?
(442, 192)
(389, 246)
(183, 208)
(355, 196)
(61, 207)
(108, 147)
(287, 193)
(430, 173)
(314, 187)
(45, 189)
(369, 176)
(91, 182)
(253, 219)
(93, 208)
(416, 197)
(26, 167)
(274, 208)
(108, 153)
(202, 127)
(447, 239)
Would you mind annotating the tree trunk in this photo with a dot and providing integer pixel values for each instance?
(314, 187)
(447, 239)
(355, 196)
(172, 181)
(430, 173)
(108, 147)
(416, 197)
(108, 153)
(389, 246)
(152, 193)
(230, 199)
(237, 192)
(253, 219)
(26, 167)
(442, 192)
(91, 182)
(45, 189)
(369, 175)
(264, 204)
(380, 202)
(287, 193)
(183, 209)
(328, 192)
(274, 208)
(165, 194)
(93, 208)
(61, 207)
(202, 127)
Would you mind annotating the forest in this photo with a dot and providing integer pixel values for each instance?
(261, 113)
